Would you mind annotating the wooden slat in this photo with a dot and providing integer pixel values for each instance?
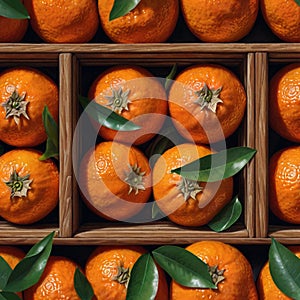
(150, 48)
(261, 142)
(65, 144)
(250, 142)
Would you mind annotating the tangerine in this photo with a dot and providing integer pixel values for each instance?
(28, 186)
(284, 102)
(218, 21)
(284, 184)
(283, 18)
(57, 281)
(207, 103)
(230, 271)
(63, 21)
(24, 92)
(108, 270)
(115, 180)
(187, 202)
(12, 30)
(151, 21)
(266, 287)
(132, 92)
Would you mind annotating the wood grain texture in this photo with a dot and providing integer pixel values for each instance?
(261, 142)
(65, 144)
(149, 48)
(249, 173)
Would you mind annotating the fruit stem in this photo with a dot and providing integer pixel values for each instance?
(216, 274)
(18, 185)
(123, 275)
(189, 188)
(119, 100)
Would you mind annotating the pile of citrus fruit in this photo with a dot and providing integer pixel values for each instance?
(148, 21)
(28, 186)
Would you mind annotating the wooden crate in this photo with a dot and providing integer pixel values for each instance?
(159, 59)
(268, 142)
(58, 67)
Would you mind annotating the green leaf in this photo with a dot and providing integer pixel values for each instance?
(52, 147)
(285, 269)
(5, 271)
(122, 8)
(298, 2)
(9, 296)
(82, 286)
(184, 267)
(170, 77)
(106, 117)
(143, 279)
(227, 216)
(218, 166)
(13, 9)
(156, 211)
(29, 270)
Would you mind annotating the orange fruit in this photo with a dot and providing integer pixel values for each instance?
(207, 103)
(217, 21)
(12, 255)
(121, 173)
(63, 21)
(267, 289)
(284, 102)
(151, 21)
(57, 281)
(284, 184)
(187, 202)
(108, 270)
(12, 30)
(229, 267)
(24, 92)
(28, 186)
(283, 18)
(136, 95)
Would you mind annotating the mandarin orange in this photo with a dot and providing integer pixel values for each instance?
(28, 186)
(187, 202)
(207, 103)
(283, 18)
(151, 21)
(63, 21)
(284, 184)
(24, 92)
(266, 287)
(230, 270)
(136, 95)
(220, 21)
(115, 180)
(57, 281)
(108, 270)
(284, 102)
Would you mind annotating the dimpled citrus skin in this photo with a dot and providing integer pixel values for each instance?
(267, 289)
(284, 102)
(40, 91)
(102, 265)
(152, 21)
(220, 21)
(148, 101)
(238, 282)
(12, 30)
(41, 199)
(63, 21)
(171, 200)
(283, 18)
(203, 126)
(102, 180)
(57, 281)
(284, 184)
